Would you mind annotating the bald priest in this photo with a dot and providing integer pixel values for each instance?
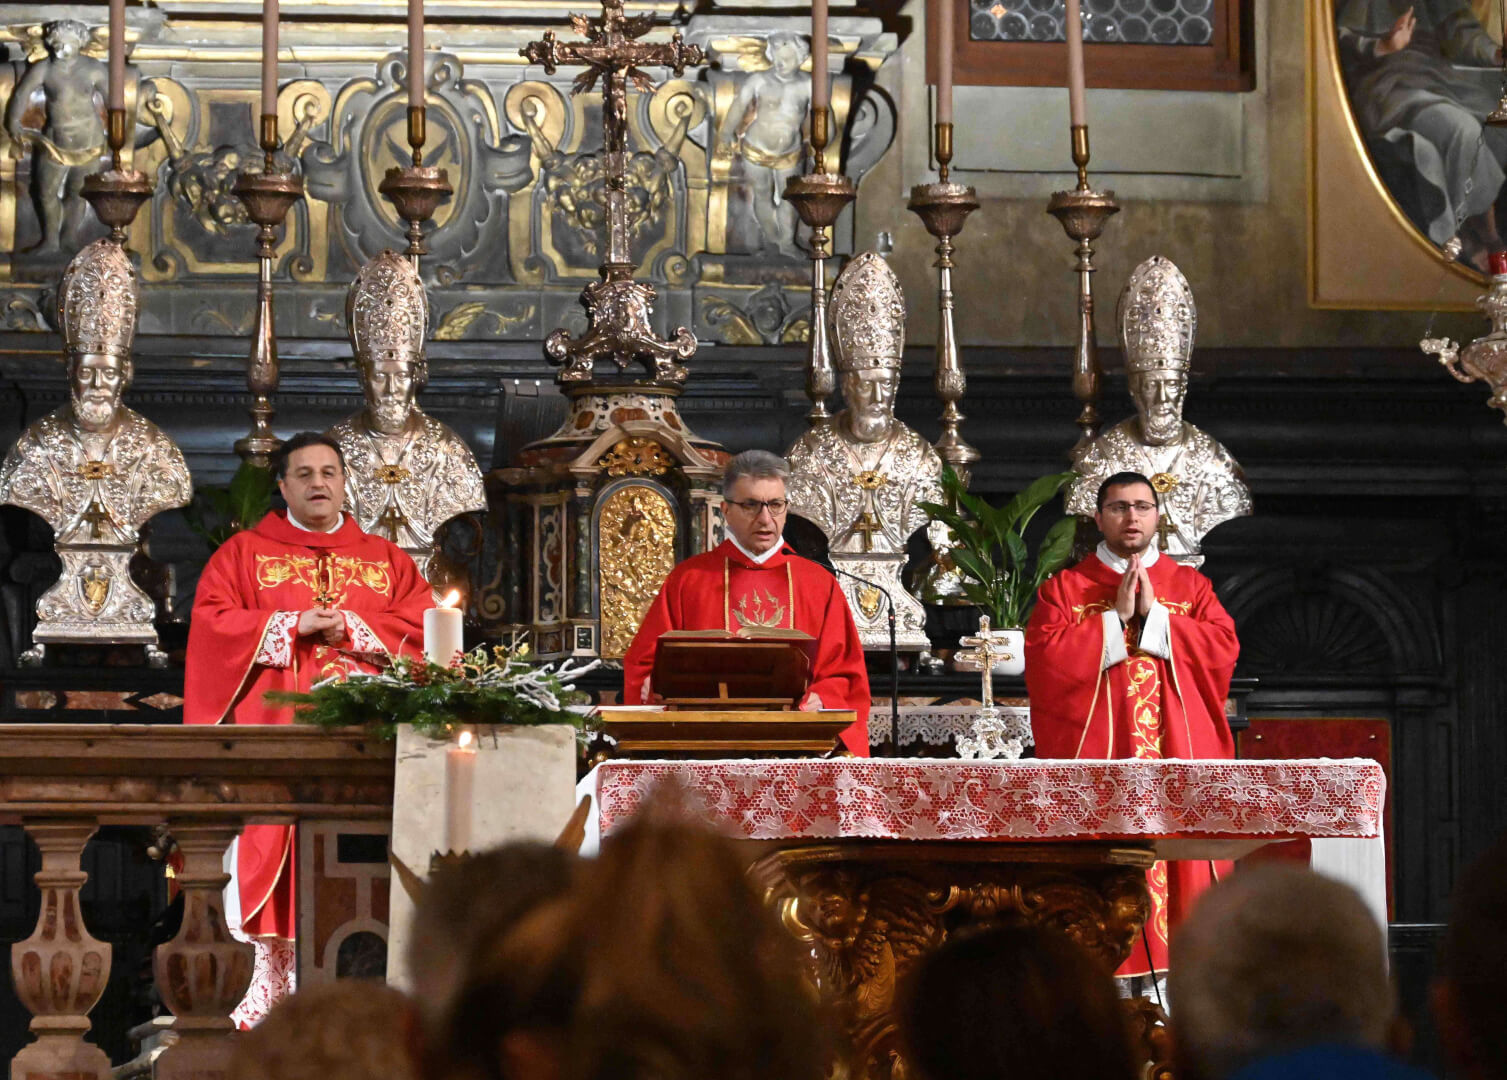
(753, 578)
(303, 595)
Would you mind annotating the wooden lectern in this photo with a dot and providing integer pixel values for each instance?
(728, 694)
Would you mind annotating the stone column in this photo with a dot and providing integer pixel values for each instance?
(60, 971)
(203, 973)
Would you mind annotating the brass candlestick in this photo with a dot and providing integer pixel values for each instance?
(267, 196)
(943, 208)
(418, 189)
(1083, 213)
(819, 197)
(117, 193)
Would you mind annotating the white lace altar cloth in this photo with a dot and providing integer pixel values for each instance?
(916, 799)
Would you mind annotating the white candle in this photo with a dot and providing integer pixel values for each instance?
(1073, 27)
(944, 61)
(415, 53)
(443, 631)
(117, 54)
(818, 55)
(269, 57)
(460, 782)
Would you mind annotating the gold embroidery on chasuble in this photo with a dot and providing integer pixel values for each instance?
(329, 577)
(759, 606)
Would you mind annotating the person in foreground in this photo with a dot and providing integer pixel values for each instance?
(1466, 996)
(348, 1029)
(754, 579)
(1280, 972)
(1129, 655)
(662, 963)
(1023, 1002)
(302, 596)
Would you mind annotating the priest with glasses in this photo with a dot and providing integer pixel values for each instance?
(754, 579)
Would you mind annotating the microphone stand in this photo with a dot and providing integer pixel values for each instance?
(894, 651)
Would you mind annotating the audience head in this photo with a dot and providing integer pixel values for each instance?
(1019, 1002)
(349, 1029)
(662, 963)
(468, 907)
(1469, 1010)
(1272, 960)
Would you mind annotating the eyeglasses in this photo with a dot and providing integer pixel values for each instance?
(1120, 509)
(752, 507)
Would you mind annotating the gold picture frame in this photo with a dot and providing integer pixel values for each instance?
(1363, 250)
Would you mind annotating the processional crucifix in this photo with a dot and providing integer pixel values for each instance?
(618, 306)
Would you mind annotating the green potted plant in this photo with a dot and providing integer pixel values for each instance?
(993, 562)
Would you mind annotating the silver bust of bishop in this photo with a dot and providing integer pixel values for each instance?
(860, 476)
(406, 473)
(95, 470)
(1198, 483)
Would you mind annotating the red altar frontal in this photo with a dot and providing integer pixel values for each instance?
(884, 858)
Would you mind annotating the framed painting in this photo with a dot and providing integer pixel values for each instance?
(1407, 179)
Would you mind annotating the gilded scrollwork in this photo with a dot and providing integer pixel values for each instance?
(867, 913)
(636, 532)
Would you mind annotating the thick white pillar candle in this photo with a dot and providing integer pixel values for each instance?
(269, 57)
(1073, 28)
(818, 55)
(117, 54)
(944, 61)
(443, 634)
(415, 53)
(460, 783)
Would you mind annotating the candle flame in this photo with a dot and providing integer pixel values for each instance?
(451, 598)
(466, 739)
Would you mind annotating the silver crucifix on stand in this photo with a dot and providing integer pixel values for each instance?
(994, 734)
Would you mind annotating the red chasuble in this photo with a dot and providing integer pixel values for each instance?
(724, 589)
(1143, 707)
(243, 642)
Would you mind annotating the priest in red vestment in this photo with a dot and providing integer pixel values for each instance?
(1129, 654)
(753, 577)
(302, 596)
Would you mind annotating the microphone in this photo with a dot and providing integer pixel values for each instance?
(894, 651)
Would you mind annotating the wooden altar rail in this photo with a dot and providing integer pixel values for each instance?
(60, 782)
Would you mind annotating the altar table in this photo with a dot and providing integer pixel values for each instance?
(871, 863)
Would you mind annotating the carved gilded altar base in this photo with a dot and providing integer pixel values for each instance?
(868, 913)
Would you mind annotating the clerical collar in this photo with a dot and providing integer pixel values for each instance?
(339, 521)
(1119, 565)
(774, 549)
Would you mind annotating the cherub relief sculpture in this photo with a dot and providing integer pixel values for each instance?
(68, 145)
(764, 127)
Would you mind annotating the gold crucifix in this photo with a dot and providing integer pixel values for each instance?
(96, 515)
(393, 520)
(868, 526)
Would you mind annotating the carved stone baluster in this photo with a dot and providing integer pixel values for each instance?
(203, 973)
(60, 971)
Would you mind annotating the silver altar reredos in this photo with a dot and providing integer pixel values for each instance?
(95, 470)
(406, 473)
(860, 476)
(1198, 484)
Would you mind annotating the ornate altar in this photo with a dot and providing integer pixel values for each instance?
(873, 863)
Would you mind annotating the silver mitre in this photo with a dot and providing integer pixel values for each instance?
(867, 315)
(1157, 317)
(387, 313)
(97, 300)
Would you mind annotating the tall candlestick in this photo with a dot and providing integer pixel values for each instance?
(944, 61)
(460, 783)
(415, 54)
(117, 54)
(269, 57)
(818, 55)
(1073, 28)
